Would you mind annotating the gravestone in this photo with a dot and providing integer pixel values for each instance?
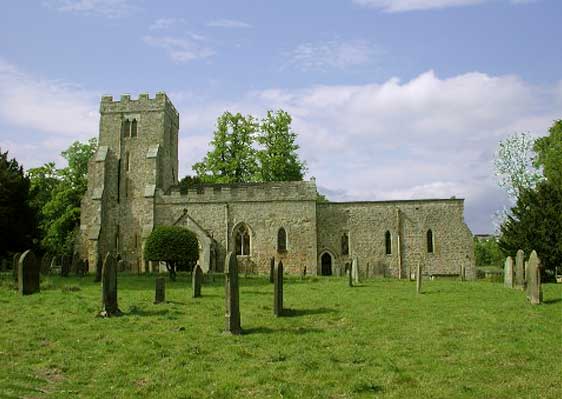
(196, 280)
(109, 288)
(28, 274)
(508, 277)
(520, 269)
(64, 266)
(160, 291)
(99, 268)
(534, 286)
(45, 264)
(231, 295)
(278, 290)
(419, 278)
(355, 270)
(462, 273)
(271, 270)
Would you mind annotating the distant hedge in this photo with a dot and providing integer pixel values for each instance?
(174, 245)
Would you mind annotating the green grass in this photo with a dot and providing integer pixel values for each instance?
(457, 340)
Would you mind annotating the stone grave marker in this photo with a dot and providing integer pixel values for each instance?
(508, 272)
(196, 280)
(355, 269)
(534, 286)
(28, 274)
(278, 290)
(232, 298)
(419, 278)
(109, 288)
(520, 269)
(271, 270)
(160, 291)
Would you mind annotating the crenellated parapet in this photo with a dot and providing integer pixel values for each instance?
(143, 103)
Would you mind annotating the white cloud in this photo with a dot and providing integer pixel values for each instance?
(415, 5)
(228, 23)
(181, 49)
(331, 54)
(105, 8)
(165, 23)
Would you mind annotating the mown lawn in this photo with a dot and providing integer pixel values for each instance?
(457, 340)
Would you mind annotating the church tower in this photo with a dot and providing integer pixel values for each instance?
(137, 157)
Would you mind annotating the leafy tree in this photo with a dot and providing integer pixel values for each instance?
(232, 158)
(535, 223)
(60, 215)
(549, 154)
(17, 222)
(488, 252)
(188, 182)
(173, 245)
(514, 165)
(43, 180)
(278, 158)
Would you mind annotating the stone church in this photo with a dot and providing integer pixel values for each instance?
(133, 187)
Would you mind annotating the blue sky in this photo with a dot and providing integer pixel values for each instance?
(392, 99)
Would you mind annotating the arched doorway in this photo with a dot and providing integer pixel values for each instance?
(326, 264)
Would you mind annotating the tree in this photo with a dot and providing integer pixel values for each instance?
(278, 158)
(60, 215)
(232, 158)
(549, 154)
(535, 223)
(514, 165)
(487, 252)
(17, 222)
(173, 245)
(188, 182)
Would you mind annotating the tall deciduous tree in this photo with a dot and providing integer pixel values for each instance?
(232, 158)
(278, 158)
(549, 154)
(17, 223)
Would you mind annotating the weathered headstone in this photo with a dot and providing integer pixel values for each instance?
(45, 264)
(109, 288)
(355, 269)
(231, 295)
(278, 290)
(99, 269)
(271, 270)
(534, 286)
(508, 277)
(160, 291)
(196, 280)
(28, 274)
(520, 269)
(64, 266)
(419, 278)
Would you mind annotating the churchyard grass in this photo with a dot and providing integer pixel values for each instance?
(377, 339)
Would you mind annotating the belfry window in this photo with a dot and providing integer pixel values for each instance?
(345, 244)
(430, 241)
(126, 128)
(281, 240)
(387, 243)
(134, 128)
(242, 240)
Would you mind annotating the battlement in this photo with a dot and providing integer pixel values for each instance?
(143, 103)
(244, 192)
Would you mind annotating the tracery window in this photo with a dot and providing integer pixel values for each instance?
(281, 240)
(242, 240)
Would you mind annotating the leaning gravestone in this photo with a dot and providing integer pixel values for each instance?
(231, 295)
(109, 288)
(64, 266)
(534, 287)
(278, 290)
(418, 278)
(355, 270)
(508, 277)
(28, 274)
(520, 269)
(160, 291)
(271, 270)
(196, 280)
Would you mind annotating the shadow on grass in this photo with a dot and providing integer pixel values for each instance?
(551, 301)
(135, 311)
(268, 330)
(306, 312)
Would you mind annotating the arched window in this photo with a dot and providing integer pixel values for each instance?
(242, 240)
(388, 243)
(281, 240)
(429, 241)
(344, 244)
(134, 128)
(126, 128)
